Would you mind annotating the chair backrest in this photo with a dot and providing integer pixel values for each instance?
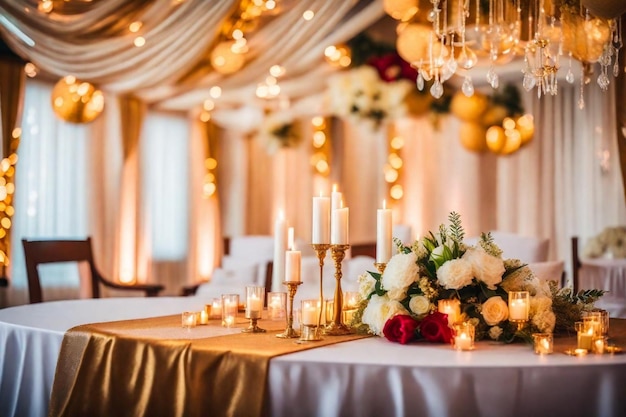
(38, 252)
(576, 264)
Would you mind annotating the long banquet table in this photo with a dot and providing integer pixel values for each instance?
(366, 377)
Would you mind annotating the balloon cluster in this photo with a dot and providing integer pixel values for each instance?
(489, 124)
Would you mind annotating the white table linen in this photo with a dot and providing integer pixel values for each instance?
(369, 377)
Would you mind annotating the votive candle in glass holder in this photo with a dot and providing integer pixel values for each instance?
(254, 301)
(599, 344)
(188, 319)
(519, 306)
(585, 332)
(277, 305)
(230, 306)
(203, 317)
(463, 336)
(452, 308)
(310, 312)
(216, 308)
(350, 305)
(543, 343)
(593, 319)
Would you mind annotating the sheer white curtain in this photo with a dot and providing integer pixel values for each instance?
(52, 183)
(165, 207)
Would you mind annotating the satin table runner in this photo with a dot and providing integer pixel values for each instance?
(154, 367)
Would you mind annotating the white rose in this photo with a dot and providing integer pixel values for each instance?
(379, 310)
(545, 321)
(486, 268)
(494, 310)
(367, 284)
(455, 274)
(419, 304)
(401, 271)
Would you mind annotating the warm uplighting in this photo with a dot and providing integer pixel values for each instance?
(338, 55)
(320, 160)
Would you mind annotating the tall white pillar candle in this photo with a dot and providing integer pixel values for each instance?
(321, 220)
(335, 198)
(339, 231)
(383, 234)
(292, 265)
(280, 246)
(290, 238)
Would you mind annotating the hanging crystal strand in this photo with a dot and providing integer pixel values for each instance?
(468, 86)
(581, 98)
(569, 77)
(618, 45)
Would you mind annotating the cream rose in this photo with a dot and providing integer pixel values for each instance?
(495, 332)
(400, 272)
(495, 310)
(486, 268)
(379, 310)
(419, 305)
(455, 274)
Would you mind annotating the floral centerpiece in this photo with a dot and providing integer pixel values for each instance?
(610, 243)
(279, 131)
(402, 302)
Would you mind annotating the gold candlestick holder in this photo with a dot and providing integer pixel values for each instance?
(289, 332)
(337, 327)
(380, 266)
(320, 249)
(253, 327)
(519, 323)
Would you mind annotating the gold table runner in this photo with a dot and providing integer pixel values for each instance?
(126, 368)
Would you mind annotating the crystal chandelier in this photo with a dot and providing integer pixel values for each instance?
(442, 38)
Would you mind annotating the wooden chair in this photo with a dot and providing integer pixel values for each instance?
(38, 252)
(576, 264)
(363, 249)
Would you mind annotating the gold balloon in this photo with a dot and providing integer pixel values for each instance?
(473, 137)
(496, 139)
(608, 9)
(76, 101)
(417, 103)
(494, 115)
(513, 141)
(469, 109)
(526, 128)
(402, 10)
(413, 45)
(584, 38)
(224, 60)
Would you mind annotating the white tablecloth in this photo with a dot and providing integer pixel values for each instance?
(608, 275)
(368, 377)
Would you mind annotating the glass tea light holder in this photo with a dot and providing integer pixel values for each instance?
(350, 305)
(452, 308)
(464, 334)
(519, 307)
(255, 296)
(543, 343)
(597, 320)
(599, 344)
(203, 316)
(584, 334)
(276, 305)
(230, 306)
(310, 319)
(215, 308)
(188, 319)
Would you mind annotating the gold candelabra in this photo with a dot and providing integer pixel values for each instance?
(337, 327)
(253, 327)
(380, 266)
(320, 249)
(289, 332)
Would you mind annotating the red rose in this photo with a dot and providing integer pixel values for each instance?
(434, 328)
(391, 67)
(400, 328)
